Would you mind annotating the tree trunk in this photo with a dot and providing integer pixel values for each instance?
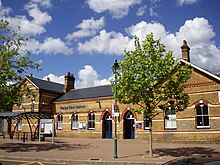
(150, 139)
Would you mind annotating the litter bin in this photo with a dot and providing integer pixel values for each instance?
(42, 138)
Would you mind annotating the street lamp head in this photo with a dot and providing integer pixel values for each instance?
(115, 67)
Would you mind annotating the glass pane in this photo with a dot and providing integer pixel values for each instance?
(74, 125)
(91, 124)
(199, 121)
(146, 123)
(198, 110)
(74, 117)
(206, 120)
(60, 118)
(91, 117)
(59, 125)
(170, 121)
(205, 110)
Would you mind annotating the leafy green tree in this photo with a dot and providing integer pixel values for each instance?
(152, 79)
(14, 63)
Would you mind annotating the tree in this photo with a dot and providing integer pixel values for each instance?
(14, 62)
(152, 79)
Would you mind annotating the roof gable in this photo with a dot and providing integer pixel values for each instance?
(205, 72)
(46, 85)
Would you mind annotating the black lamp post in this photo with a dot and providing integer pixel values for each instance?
(115, 113)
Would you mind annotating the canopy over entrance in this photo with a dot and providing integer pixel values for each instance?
(32, 119)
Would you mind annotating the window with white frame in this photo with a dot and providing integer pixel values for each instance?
(91, 121)
(19, 124)
(202, 116)
(75, 121)
(59, 122)
(170, 116)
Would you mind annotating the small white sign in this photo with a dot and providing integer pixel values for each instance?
(115, 114)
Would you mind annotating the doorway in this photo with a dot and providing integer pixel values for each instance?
(128, 131)
(107, 126)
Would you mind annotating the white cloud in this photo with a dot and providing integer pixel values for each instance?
(55, 46)
(141, 11)
(108, 43)
(4, 11)
(49, 46)
(42, 3)
(152, 12)
(198, 33)
(206, 55)
(186, 2)
(88, 77)
(117, 8)
(29, 27)
(39, 17)
(54, 78)
(88, 27)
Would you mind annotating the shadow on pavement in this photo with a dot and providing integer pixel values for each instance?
(25, 147)
(185, 151)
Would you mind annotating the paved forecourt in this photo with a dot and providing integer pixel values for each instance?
(102, 150)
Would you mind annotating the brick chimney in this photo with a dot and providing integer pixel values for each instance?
(185, 51)
(69, 82)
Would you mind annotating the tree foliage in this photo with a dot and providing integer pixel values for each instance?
(14, 63)
(151, 77)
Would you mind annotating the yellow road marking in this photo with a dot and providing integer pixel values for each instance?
(26, 162)
(7, 160)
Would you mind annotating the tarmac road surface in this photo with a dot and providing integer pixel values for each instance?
(31, 162)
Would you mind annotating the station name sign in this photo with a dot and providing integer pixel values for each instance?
(70, 107)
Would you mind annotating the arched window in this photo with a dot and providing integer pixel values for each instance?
(91, 120)
(202, 115)
(75, 121)
(60, 122)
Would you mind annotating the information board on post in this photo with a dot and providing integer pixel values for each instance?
(46, 127)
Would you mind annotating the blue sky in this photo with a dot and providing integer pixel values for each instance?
(84, 37)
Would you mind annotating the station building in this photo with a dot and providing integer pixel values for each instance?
(87, 112)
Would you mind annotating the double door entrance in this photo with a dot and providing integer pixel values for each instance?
(128, 126)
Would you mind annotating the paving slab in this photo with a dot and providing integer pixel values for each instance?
(100, 151)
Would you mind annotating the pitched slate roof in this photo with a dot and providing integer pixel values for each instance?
(87, 93)
(46, 85)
